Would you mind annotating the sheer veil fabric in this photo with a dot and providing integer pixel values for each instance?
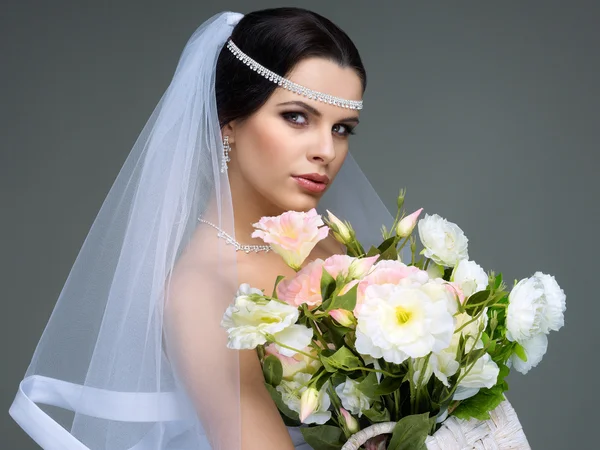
(113, 369)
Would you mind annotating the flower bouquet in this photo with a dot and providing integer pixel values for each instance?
(364, 348)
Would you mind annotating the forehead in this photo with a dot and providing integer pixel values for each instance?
(324, 76)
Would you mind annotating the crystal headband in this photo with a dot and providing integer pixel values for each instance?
(290, 85)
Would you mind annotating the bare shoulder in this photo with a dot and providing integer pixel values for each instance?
(200, 293)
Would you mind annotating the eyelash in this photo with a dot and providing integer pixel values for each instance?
(286, 115)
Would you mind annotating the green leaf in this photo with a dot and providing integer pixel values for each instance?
(388, 385)
(410, 433)
(369, 385)
(377, 413)
(460, 348)
(504, 371)
(323, 437)
(498, 281)
(322, 380)
(447, 273)
(386, 244)
(325, 305)
(474, 355)
(279, 278)
(485, 338)
(338, 378)
(476, 302)
(272, 370)
(388, 249)
(327, 285)
(283, 408)
(373, 251)
(341, 359)
(480, 404)
(346, 301)
(520, 351)
(336, 332)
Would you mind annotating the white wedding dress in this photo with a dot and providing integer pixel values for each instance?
(298, 439)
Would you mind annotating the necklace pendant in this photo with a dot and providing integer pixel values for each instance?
(229, 240)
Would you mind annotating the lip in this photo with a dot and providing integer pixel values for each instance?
(317, 178)
(312, 182)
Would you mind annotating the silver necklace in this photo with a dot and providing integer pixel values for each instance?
(238, 247)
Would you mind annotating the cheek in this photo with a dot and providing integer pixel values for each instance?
(341, 155)
(268, 148)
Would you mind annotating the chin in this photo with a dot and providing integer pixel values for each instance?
(298, 202)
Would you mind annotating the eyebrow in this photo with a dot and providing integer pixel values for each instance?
(316, 112)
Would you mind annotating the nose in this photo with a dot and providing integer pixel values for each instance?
(323, 149)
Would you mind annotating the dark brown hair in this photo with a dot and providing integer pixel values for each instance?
(277, 38)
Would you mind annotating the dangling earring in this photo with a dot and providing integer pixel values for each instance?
(226, 158)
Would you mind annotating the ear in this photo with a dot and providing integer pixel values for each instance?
(229, 130)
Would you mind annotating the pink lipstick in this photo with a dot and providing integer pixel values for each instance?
(312, 182)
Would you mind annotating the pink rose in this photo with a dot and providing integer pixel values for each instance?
(294, 364)
(338, 264)
(343, 317)
(292, 235)
(349, 266)
(389, 272)
(456, 291)
(406, 226)
(304, 287)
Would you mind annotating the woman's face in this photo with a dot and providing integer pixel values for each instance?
(286, 154)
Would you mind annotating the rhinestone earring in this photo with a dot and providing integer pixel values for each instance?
(226, 158)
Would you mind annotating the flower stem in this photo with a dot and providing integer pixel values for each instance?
(270, 338)
(387, 374)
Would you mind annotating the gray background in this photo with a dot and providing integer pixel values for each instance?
(486, 112)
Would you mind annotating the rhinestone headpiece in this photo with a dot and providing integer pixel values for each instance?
(290, 85)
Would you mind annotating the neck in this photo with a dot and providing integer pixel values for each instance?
(248, 207)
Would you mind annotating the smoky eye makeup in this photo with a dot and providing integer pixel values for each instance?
(293, 118)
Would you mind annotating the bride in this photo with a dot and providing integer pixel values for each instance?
(256, 121)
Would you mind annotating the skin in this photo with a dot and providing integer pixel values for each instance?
(270, 146)
(278, 141)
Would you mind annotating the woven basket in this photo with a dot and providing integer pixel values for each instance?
(501, 431)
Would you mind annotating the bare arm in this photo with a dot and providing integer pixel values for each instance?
(214, 375)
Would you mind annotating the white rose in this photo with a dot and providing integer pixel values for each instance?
(249, 320)
(352, 398)
(444, 242)
(470, 331)
(291, 392)
(535, 349)
(401, 321)
(470, 277)
(484, 374)
(535, 305)
(435, 270)
(444, 291)
(442, 364)
(556, 305)
(294, 336)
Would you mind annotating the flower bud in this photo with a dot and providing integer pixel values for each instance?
(406, 225)
(400, 199)
(309, 402)
(339, 228)
(351, 422)
(343, 317)
(361, 266)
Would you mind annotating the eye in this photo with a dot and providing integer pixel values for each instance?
(294, 117)
(348, 129)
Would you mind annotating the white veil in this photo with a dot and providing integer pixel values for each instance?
(101, 376)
